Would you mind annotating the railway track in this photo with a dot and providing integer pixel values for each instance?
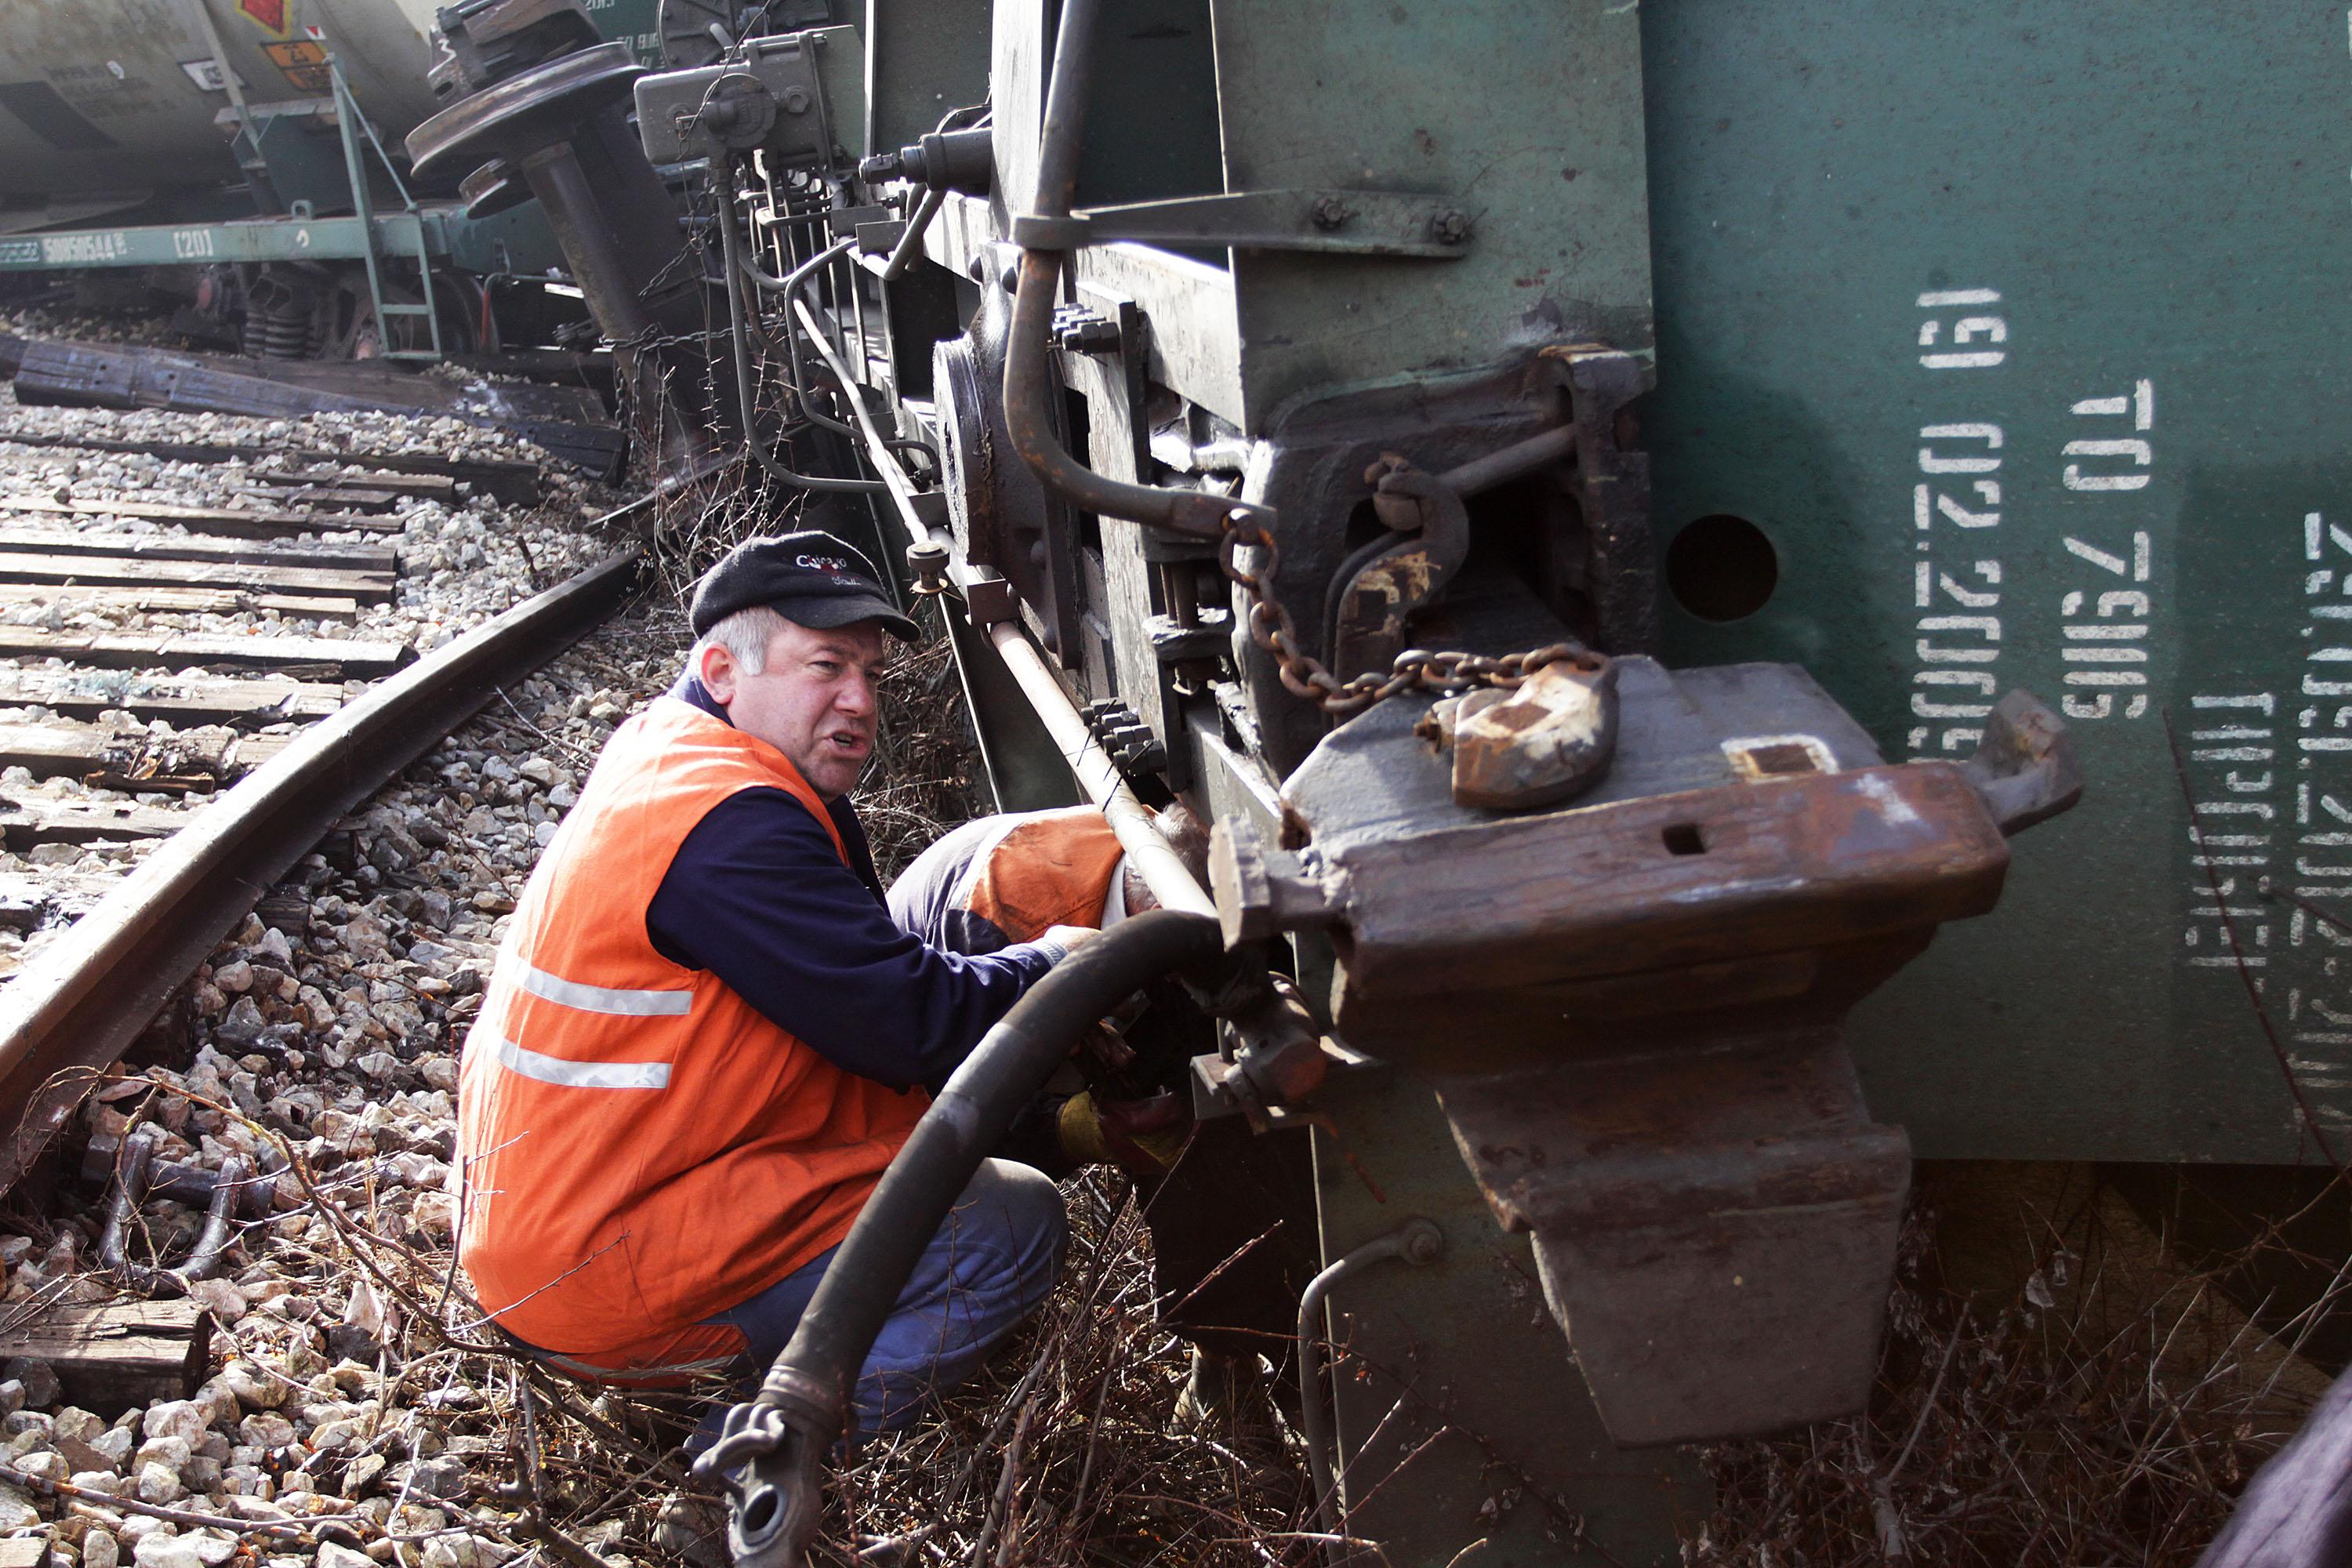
(215, 639)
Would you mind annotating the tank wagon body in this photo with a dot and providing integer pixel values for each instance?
(1582, 495)
(114, 102)
(204, 145)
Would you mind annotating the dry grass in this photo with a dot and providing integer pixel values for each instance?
(2054, 1391)
(1066, 1452)
(1062, 1453)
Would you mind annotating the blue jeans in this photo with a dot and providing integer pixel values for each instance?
(993, 1262)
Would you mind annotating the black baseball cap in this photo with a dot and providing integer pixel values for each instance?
(810, 578)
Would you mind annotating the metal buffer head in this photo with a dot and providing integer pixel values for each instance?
(945, 160)
(1629, 1008)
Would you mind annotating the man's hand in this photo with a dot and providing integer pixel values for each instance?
(1069, 937)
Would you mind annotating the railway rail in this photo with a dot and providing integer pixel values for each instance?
(200, 674)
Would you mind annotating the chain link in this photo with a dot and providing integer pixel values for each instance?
(1271, 628)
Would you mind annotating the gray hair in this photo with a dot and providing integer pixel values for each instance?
(745, 634)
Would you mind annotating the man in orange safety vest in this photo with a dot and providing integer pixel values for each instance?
(704, 1037)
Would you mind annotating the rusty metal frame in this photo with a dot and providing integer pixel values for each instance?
(81, 1003)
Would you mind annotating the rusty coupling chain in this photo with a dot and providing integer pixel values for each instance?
(1271, 628)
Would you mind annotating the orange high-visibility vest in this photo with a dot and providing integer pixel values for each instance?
(1050, 868)
(642, 1147)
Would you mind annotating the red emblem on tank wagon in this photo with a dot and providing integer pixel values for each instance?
(269, 14)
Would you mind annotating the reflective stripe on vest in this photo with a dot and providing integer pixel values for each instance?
(581, 1075)
(603, 998)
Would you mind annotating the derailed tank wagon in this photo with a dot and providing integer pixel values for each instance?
(243, 158)
(1581, 495)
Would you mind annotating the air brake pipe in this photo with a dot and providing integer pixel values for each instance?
(731, 244)
(1417, 1241)
(1027, 389)
(804, 1403)
(1162, 869)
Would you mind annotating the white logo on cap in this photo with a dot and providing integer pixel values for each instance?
(821, 563)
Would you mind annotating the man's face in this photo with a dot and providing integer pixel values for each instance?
(813, 701)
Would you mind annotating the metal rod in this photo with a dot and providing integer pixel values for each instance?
(577, 215)
(229, 84)
(910, 243)
(1162, 868)
(878, 451)
(1512, 462)
(1163, 872)
(1417, 1241)
(790, 286)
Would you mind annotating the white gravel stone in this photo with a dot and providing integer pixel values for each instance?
(252, 1387)
(82, 1425)
(45, 1466)
(158, 1483)
(267, 1429)
(99, 1549)
(362, 1473)
(213, 1547)
(172, 1453)
(465, 1552)
(248, 1480)
(156, 1549)
(177, 1419)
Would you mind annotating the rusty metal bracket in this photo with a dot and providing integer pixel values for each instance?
(1222, 1086)
(1261, 891)
(1385, 583)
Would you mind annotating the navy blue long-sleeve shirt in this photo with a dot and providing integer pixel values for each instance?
(757, 895)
